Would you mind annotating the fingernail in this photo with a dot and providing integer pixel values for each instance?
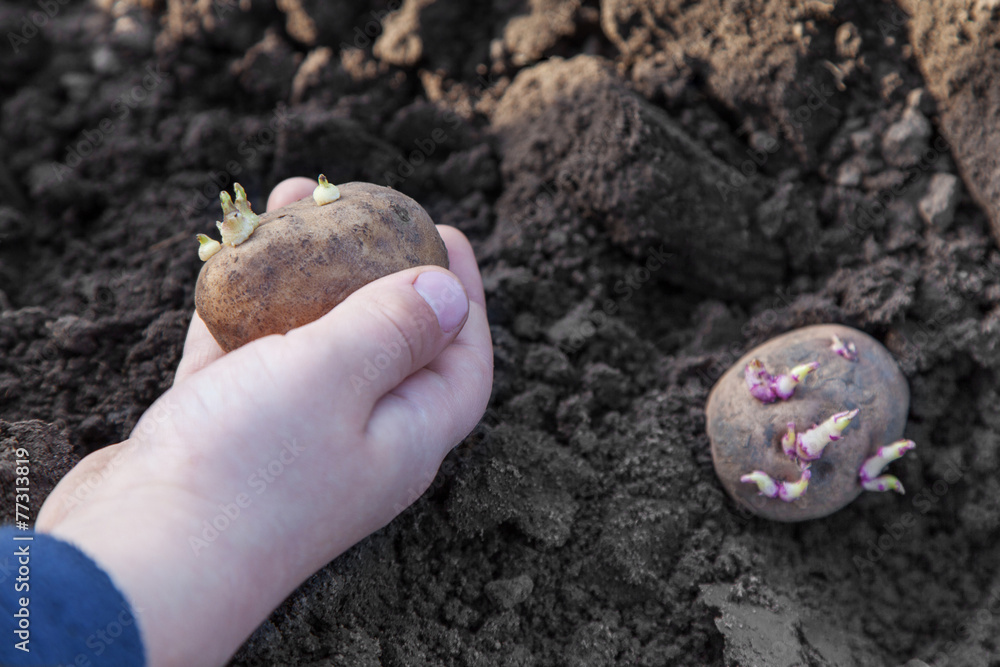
(445, 296)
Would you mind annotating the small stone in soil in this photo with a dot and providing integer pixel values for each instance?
(937, 207)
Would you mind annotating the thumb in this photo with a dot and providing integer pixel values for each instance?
(380, 335)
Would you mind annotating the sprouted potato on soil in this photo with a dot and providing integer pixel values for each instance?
(806, 441)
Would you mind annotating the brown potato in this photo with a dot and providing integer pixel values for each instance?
(746, 433)
(304, 259)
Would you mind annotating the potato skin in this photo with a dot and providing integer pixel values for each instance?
(746, 434)
(304, 259)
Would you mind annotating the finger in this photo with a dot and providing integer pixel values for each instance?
(200, 349)
(462, 262)
(437, 406)
(290, 190)
(373, 340)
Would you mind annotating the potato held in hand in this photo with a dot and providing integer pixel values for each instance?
(293, 265)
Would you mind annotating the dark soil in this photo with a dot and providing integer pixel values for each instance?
(652, 189)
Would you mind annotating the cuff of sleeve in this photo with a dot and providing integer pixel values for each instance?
(60, 608)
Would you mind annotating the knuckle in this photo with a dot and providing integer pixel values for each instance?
(403, 329)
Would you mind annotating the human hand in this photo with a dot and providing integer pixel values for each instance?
(291, 449)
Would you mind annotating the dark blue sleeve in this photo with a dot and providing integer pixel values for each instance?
(59, 608)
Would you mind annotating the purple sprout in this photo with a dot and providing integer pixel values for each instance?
(846, 350)
(768, 388)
